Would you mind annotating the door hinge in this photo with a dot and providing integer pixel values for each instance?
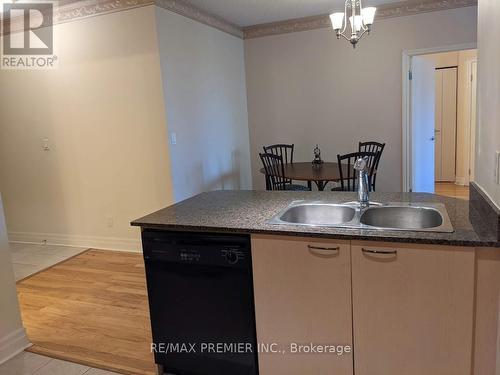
(410, 75)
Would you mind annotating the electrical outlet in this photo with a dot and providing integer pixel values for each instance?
(110, 221)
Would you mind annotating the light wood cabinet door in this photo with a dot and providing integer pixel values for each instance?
(302, 296)
(412, 309)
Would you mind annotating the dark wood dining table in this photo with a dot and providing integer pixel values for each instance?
(320, 174)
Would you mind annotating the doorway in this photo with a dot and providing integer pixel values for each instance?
(439, 115)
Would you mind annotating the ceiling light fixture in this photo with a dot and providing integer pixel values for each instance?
(360, 21)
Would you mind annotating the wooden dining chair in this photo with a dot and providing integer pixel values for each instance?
(275, 172)
(283, 150)
(348, 175)
(374, 162)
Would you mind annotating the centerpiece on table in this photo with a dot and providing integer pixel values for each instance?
(317, 162)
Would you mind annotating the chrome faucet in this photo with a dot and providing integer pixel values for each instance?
(363, 184)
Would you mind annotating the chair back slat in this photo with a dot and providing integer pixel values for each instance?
(275, 171)
(374, 162)
(348, 175)
(283, 150)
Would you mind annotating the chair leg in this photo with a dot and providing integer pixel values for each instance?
(268, 183)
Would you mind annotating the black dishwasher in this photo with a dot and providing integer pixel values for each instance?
(201, 302)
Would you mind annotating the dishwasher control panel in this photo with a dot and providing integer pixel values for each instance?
(224, 251)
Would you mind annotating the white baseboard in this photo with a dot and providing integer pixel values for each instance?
(13, 344)
(102, 243)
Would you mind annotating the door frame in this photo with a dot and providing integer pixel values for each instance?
(406, 102)
(472, 125)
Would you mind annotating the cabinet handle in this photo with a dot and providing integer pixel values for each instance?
(311, 247)
(383, 252)
(324, 251)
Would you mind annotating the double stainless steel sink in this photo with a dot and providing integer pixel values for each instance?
(421, 217)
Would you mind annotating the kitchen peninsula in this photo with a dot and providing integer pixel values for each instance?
(406, 302)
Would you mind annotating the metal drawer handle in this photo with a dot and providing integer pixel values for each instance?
(384, 252)
(324, 251)
(323, 248)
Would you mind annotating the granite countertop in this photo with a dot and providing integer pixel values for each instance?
(248, 211)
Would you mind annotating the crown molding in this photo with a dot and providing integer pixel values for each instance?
(76, 9)
(401, 9)
(88, 8)
(196, 14)
(73, 10)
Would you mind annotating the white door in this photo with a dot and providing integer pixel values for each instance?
(446, 124)
(423, 93)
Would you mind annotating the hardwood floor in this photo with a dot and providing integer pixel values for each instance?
(449, 189)
(91, 309)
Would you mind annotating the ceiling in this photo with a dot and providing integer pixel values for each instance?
(253, 12)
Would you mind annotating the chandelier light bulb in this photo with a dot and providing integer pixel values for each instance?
(337, 20)
(358, 23)
(368, 15)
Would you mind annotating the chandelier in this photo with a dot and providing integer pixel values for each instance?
(360, 21)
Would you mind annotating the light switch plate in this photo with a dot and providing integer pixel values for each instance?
(45, 144)
(173, 138)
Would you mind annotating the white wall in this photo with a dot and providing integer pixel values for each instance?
(103, 113)
(205, 100)
(12, 334)
(308, 88)
(488, 123)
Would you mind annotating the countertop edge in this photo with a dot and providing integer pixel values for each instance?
(338, 236)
